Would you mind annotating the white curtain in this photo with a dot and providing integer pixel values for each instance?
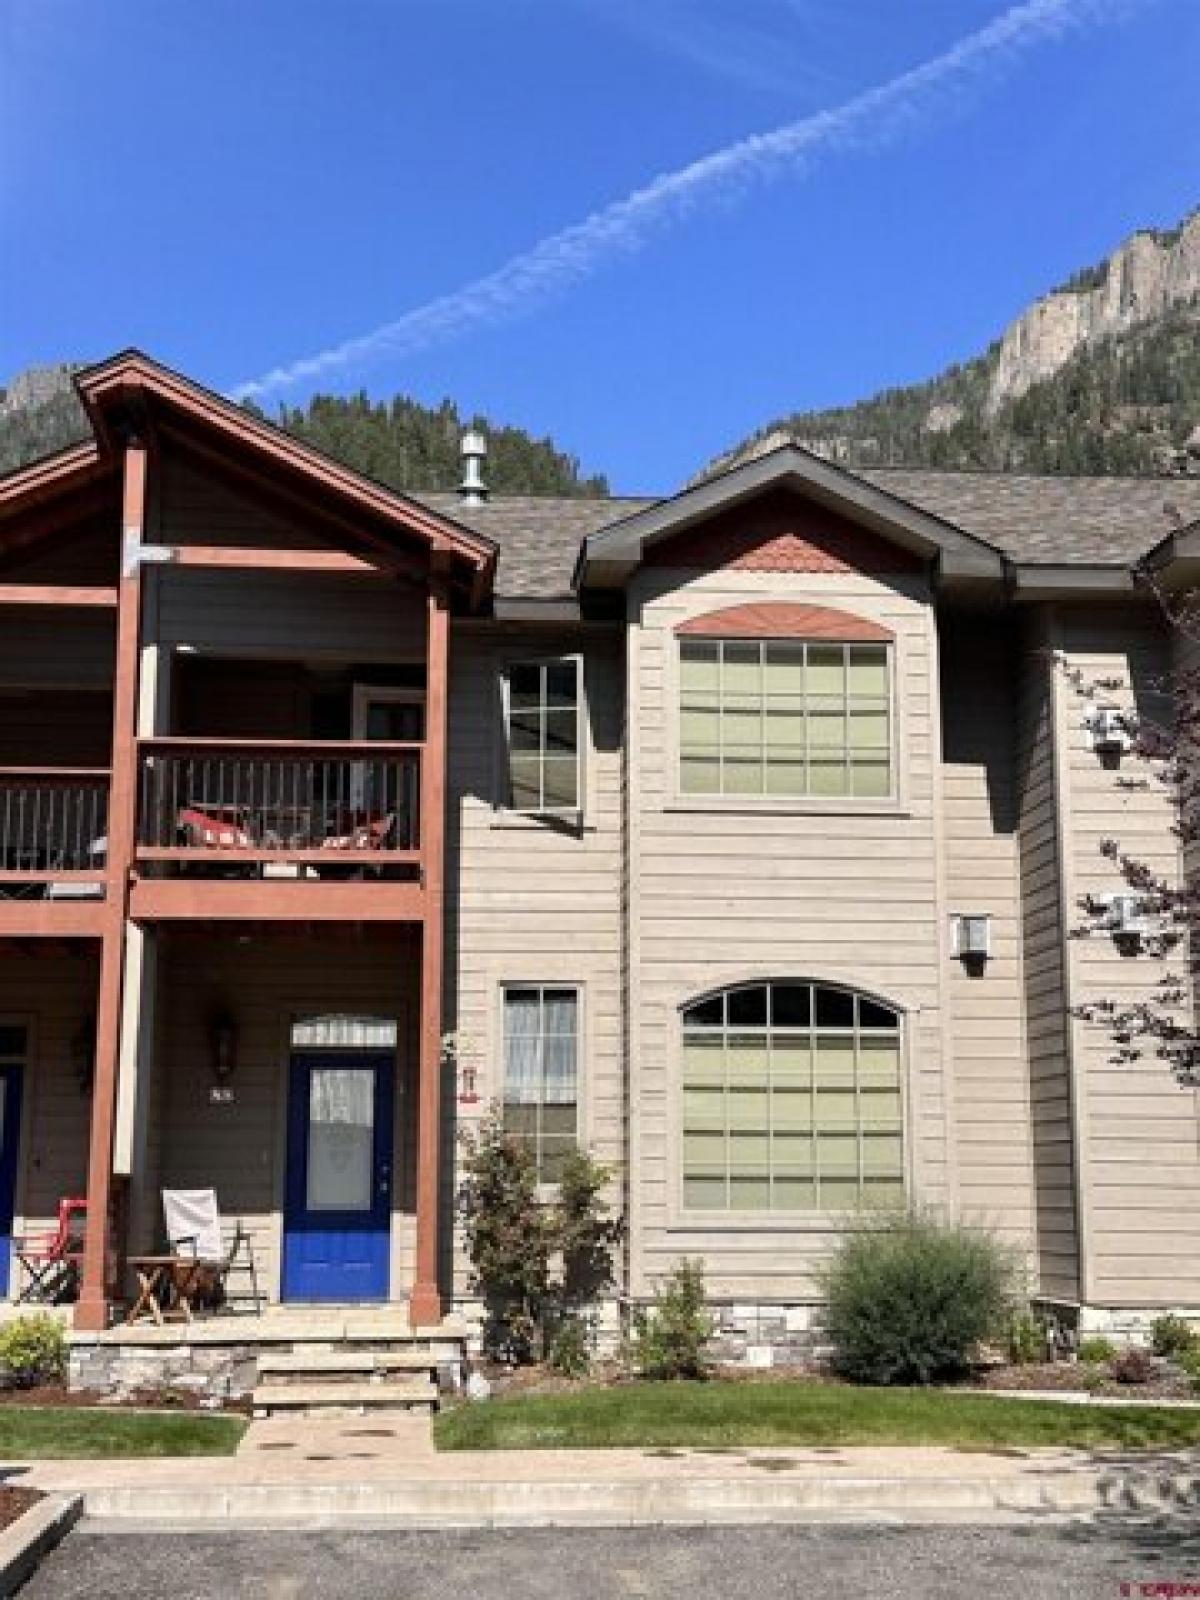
(560, 1017)
(344, 1033)
(522, 1046)
(341, 1126)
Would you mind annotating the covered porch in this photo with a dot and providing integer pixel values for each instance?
(276, 1064)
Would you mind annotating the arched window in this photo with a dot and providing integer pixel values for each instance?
(791, 1100)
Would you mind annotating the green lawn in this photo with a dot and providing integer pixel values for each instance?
(30, 1433)
(716, 1413)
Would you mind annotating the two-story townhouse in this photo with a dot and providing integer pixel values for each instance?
(330, 817)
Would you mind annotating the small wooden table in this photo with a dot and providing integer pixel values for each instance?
(165, 1286)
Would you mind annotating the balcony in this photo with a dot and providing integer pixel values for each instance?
(53, 832)
(241, 808)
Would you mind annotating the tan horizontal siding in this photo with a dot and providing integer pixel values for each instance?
(530, 900)
(1043, 936)
(988, 1069)
(732, 893)
(1142, 1156)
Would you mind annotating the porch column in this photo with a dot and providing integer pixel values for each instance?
(91, 1312)
(425, 1305)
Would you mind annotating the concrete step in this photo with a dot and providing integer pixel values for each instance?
(366, 1363)
(343, 1399)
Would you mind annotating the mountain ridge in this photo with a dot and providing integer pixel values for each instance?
(400, 442)
(1100, 375)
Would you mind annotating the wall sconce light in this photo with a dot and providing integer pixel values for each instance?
(971, 940)
(223, 1039)
(83, 1054)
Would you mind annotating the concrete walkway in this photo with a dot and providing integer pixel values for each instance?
(367, 1471)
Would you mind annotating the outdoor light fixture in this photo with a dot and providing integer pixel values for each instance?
(971, 940)
(223, 1039)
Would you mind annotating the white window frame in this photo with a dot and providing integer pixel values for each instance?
(575, 812)
(541, 986)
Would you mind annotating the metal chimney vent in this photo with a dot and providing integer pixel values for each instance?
(473, 488)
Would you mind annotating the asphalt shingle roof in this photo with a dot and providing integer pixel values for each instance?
(1065, 521)
(538, 535)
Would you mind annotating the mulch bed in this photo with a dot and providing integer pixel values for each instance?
(1058, 1376)
(1074, 1376)
(15, 1503)
(55, 1394)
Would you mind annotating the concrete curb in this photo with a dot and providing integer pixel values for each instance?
(1082, 1397)
(590, 1502)
(24, 1542)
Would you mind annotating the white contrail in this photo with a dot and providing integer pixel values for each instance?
(872, 117)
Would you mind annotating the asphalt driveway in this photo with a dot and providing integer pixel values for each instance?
(1109, 1562)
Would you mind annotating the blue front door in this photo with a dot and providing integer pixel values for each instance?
(12, 1046)
(337, 1211)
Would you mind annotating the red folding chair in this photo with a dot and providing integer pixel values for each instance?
(51, 1260)
(360, 830)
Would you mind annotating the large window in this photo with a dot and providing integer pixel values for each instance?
(542, 726)
(791, 1101)
(785, 718)
(541, 1072)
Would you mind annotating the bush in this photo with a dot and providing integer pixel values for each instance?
(1172, 1336)
(538, 1267)
(1097, 1350)
(508, 1241)
(1189, 1364)
(669, 1338)
(33, 1349)
(1132, 1365)
(911, 1300)
(1026, 1343)
(571, 1348)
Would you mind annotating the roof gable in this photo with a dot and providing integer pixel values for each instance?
(611, 554)
(132, 393)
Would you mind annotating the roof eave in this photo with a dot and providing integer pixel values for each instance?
(610, 555)
(105, 387)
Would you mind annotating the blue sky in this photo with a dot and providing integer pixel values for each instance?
(239, 185)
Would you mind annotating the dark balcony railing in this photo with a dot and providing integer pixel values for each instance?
(229, 804)
(53, 825)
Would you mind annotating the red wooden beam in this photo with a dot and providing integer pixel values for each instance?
(91, 1312)
(295, 900)
(425, 1302)
(268, 560)
(52, 919)
(55, 594)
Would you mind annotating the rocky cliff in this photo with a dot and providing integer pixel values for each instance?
(1101, 375)
(1143, 279)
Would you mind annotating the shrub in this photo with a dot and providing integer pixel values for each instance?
(1172, 1336)
(538, 1267)
(508, 1241)
(1094, 1352)
(1026, 1343)
(583, 1234)
(1132, 1365)
(33, 1349)
(570, 1348)
(1189, 1364)
(669, 1338)
(911, 1300)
